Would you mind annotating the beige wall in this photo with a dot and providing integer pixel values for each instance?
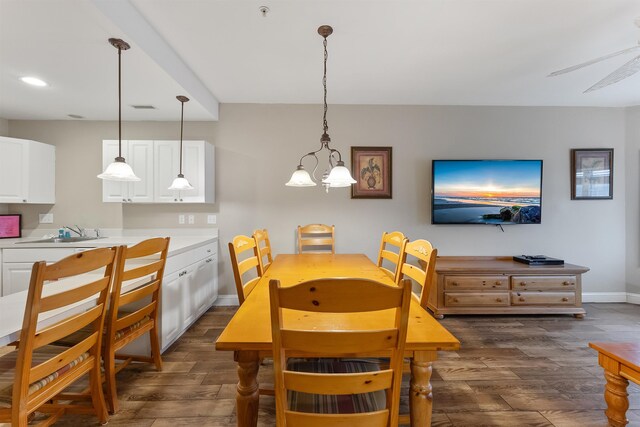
(4, 127)
(258, 147)
(632, 157)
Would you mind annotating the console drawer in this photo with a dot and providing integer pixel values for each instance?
(526, 283)
(543, 298)
(470, 299)
(476, 282)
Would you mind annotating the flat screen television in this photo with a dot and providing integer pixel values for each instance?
(486, 192)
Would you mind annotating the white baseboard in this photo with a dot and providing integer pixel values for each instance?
(225, 300)
(633, 298)
(604, 297)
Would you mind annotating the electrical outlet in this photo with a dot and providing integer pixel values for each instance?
(181, 219)
(192, 219)
(46, 218)
(211, 219)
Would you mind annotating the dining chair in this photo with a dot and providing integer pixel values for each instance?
(331, 391)
(398, 241)
(261, 236)
(242, 262)
(419, 264)
(316, 238)
(133, 313)
(39, 376)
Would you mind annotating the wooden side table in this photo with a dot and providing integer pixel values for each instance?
(621, 363)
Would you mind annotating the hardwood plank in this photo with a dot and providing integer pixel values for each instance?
(187, 409)
(497, 419)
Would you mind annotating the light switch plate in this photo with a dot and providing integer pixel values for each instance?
(192, 219)
(46, 218)
(211, 219)
(181, 219)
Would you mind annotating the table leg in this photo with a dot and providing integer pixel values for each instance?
(247, 396)
(420, 396)
(617, 398)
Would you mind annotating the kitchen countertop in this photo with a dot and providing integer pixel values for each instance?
(178, 244)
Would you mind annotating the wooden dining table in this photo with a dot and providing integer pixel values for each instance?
(248, 334)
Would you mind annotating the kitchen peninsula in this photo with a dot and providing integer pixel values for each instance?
(189, 288)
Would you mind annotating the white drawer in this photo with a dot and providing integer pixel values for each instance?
(38, 254)
(180, 261)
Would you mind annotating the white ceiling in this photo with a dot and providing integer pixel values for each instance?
(398, 52)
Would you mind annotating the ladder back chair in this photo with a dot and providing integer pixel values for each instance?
(263, 244)
(135, 312)
(397, 240)
(316, 238)
(424, 254)
(323, 392)
(242, 262)
(38, 375)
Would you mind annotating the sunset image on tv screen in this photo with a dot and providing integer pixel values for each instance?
(487, 191)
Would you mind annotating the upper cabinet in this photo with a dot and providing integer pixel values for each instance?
(157, 163)
(27, 171)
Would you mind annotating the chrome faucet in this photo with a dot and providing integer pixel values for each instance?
(79, 231)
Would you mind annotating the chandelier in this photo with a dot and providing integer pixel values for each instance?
(337, 174)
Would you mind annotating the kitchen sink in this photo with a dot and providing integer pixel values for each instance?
(73, 239)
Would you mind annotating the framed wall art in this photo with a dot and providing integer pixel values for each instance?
(371, 167)
(591, 173)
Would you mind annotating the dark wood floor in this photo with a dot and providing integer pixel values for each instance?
(511, 371)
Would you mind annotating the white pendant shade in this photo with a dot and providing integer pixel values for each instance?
(118, 171)
(300, 178)
(339, 177)
(180, 183)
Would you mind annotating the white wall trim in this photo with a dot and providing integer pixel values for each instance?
(633, 298)
(611, 297)
(225, 300)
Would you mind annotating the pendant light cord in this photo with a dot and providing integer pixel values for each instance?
(181, 126)
(119, 102)
(325, 126)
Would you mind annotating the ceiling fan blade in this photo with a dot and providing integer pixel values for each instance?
(593, 61)
(627, 70)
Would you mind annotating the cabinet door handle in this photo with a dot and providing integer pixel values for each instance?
(175, 200)
(522, 299)
(208, 250)
(209, 260)
(181, 200)
(455, 300)
(24, 200)
(498, 299)
(454, 283)
(129, 200)
(498, 283)
(565, 299)
(566, 283)
(124, 200)
(523, 283)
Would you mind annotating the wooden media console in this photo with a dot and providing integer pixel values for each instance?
(499, 285)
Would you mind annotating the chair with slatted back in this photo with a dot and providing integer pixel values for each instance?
(324, 392)
(419, 264)
(134, 312)
(244, 258)
(397, 240)
(40, 376)
(264, 248)
(317, 238)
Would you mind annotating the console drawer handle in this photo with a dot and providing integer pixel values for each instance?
(523, 283)
(498, 283)
(498, 299)
(454, 283)
(566, 283)
(522, 299)
(455, 300)
(565, 299)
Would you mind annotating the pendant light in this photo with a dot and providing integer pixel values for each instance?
(119, 170)
(338, 175)
(181, 183)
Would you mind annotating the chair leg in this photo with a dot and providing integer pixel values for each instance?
(97, 396)
(110, 381)
(155, 348)
(21, 420)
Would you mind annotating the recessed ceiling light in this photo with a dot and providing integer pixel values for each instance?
(34, 81)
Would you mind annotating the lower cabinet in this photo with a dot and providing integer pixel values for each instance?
(188, 292)
(499, 285)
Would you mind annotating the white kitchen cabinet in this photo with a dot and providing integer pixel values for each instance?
(27, 171)
(198, 166)
(139, 155)
(189, 288)
(15, 277)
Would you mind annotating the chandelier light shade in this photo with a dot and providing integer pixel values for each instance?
(181, 183)
(119, 170)
(337, 175)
